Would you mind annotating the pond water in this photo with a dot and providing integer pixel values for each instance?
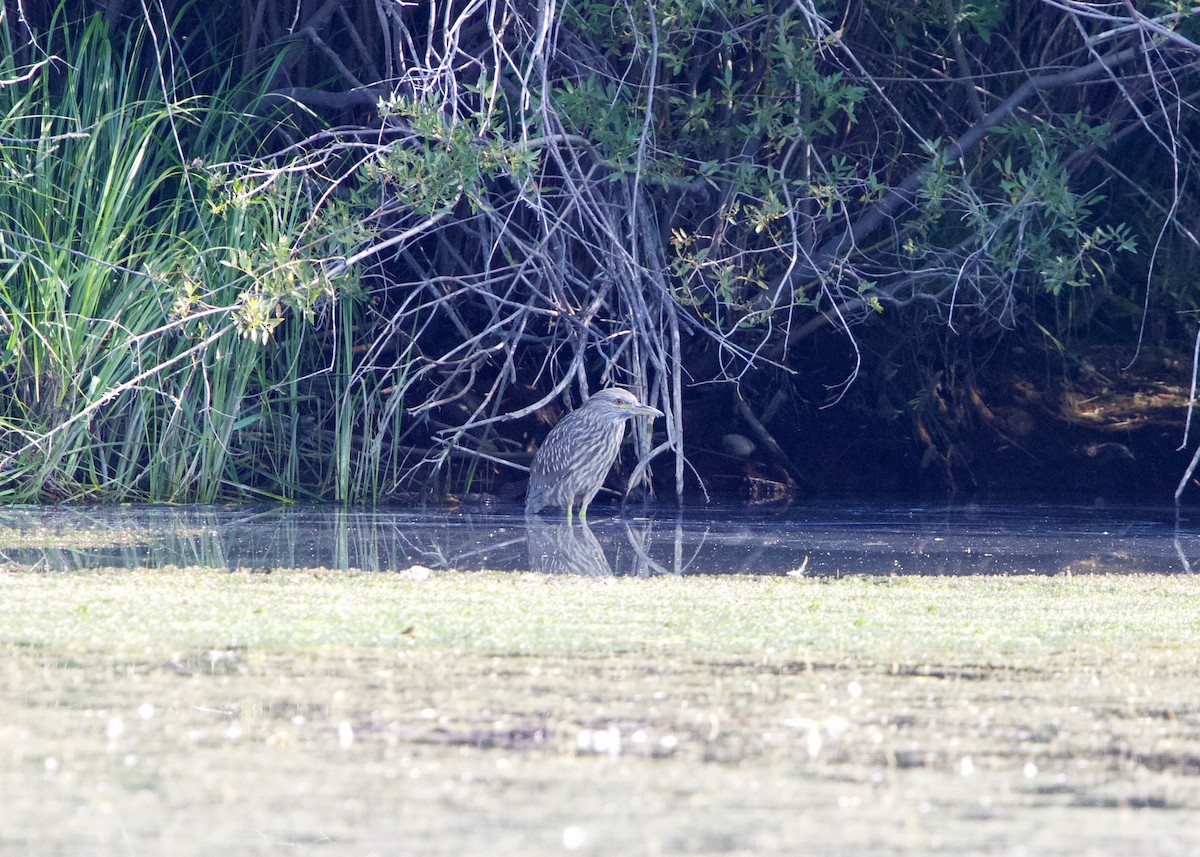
(858, 539)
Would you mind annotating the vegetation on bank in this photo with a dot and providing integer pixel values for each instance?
(330, 254)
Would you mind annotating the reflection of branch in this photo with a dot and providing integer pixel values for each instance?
(1187, 565)
(640, 550)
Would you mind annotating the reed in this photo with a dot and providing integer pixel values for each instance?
(140, 295)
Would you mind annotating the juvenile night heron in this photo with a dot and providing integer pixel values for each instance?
(570, 465)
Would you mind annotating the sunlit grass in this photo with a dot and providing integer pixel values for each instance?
(706, 715)
(774, 618)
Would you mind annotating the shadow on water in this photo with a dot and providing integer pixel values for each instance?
(816, 542)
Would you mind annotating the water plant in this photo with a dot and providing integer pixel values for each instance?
(140, 288)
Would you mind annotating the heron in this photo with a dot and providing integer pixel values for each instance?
(570, 465)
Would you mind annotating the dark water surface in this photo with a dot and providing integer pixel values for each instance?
(818, 542)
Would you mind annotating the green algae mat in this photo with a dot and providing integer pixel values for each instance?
(189, 711)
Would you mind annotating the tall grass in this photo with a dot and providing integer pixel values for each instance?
(138, 300)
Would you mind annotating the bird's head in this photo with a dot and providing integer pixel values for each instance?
(621, 404)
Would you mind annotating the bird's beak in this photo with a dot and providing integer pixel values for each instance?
(645, 410)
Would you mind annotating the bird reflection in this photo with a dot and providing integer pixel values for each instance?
(555, 547)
